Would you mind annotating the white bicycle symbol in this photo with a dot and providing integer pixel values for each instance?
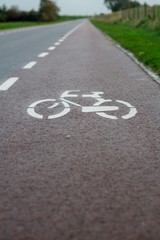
(96, 108)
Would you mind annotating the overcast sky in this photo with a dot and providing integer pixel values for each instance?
(69, 7)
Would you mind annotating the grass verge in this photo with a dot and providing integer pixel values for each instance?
(12, 25)
(144, 43)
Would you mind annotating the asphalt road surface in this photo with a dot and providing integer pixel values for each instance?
(85, 163)
(19, 46)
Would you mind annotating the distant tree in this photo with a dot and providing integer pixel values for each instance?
(48, 10)
(43, 1)
(116, 5)
(33, 16)
(135, 4)
(13, 14)
(3, 13)
(24, 16)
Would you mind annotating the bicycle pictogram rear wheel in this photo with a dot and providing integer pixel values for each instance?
(65, 109)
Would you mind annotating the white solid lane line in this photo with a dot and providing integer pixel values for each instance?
(7, 84)
(29, 65)
(73, 30)
(43, 54)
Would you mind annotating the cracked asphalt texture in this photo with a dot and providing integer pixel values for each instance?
(81, 176)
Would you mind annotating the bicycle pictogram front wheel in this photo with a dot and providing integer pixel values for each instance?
(131, 110)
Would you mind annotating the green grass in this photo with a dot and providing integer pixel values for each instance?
(12, 25)
(68, 18)
(144, 43)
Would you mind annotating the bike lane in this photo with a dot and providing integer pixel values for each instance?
(81, 176)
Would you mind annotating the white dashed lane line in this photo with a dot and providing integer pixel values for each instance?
(8, 83)
(57, 44)
(29, 65)
(51, 48)
(43, 54)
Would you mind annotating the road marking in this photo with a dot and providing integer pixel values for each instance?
(31, 111)
(57, 44)
(43, 54)
(93, 95)
(73, 30)
(61, 40)
(97, 107)
(73, 103)
(7, 84)
(132, 112)
(67, 94)
(29, 65)
(51, 48)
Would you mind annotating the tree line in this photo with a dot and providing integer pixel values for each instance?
(116, 5)
(48, 11)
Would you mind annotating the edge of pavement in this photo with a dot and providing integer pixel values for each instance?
(146, 69)
(154, 76)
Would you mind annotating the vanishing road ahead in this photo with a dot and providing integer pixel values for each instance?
(80, 138)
